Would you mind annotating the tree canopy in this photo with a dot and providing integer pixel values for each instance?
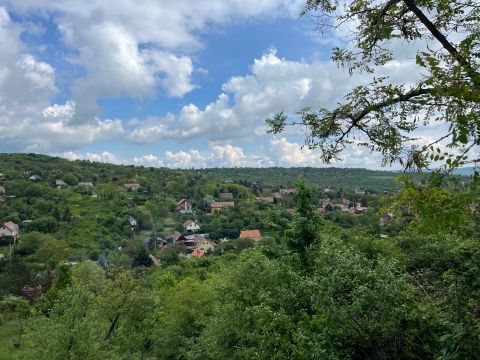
(384, 115)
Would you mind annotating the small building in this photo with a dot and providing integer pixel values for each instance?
(35, 178)
(155, 242)
(60, 184)
(9, 228)
(251, 234)
(206, 246)
(359, 191)
(217, 206)
(2, 190)
(328, 207)
(184, 206)
(359, 207)
(287, 191)
(191, 225)
(132, 187)
(226, 196)
(266, 199)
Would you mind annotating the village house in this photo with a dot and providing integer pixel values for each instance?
(359, 207)
(287, 191)
(188, 241)
(359, 191)
(217, 206)
(176, 236)
(266, 199)
(191, 225)
(206, 246)
(132, 187)
(226, 196)
(155, 242)
(327, 207)
(184, 206)
(2, 190)
(9, 228)
(251, 234)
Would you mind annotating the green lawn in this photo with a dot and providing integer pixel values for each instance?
(8, 334)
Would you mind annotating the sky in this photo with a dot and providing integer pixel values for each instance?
(181, 84)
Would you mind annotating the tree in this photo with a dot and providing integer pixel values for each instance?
(303, 230)
(17, 308)
(383, 115)
(70, 179)
(141, 258)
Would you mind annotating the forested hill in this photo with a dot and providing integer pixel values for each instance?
(15, 166)
(325, 177)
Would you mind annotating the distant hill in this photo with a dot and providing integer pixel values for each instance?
(51, 168)
(466, 171)
(324, 177)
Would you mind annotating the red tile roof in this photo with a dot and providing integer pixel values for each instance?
(253, 234)
(11, 225)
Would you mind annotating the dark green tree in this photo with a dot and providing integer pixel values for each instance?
(304, 228)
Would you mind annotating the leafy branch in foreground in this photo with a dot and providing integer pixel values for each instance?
(383, 116)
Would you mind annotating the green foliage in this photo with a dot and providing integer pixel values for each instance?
(304, 228)
(383, 115)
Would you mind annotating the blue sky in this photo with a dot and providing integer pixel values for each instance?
(165, 83)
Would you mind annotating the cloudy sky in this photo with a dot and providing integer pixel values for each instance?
(175, 83)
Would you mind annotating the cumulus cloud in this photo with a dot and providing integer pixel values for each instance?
(28, 119)
(213, 156)
(273, 84)
(131, 48)
(279, 152)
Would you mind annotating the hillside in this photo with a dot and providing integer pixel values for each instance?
(123, 259)
(49, 168)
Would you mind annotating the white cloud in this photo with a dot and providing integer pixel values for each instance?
(28, 119)
(132, 47)
(274, 84)
(213, 156)
(280, 152)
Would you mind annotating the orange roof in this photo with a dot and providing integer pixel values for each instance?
(197, 253)
(253, 234)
